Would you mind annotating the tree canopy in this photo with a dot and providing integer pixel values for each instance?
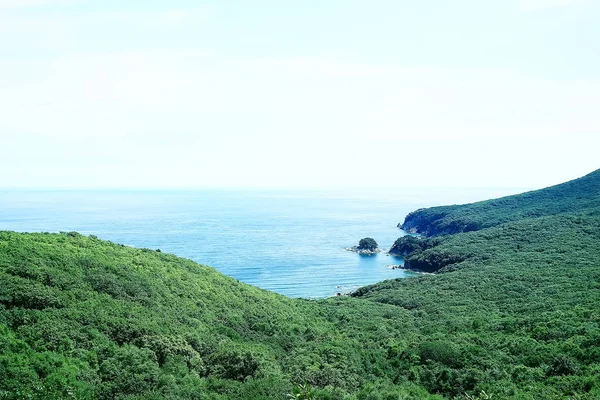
(367, 244)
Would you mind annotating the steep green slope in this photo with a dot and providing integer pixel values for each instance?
(520, 313)
(85, 318)
(576, 195)
(518, 300)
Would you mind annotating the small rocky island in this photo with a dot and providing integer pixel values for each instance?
(366, 246)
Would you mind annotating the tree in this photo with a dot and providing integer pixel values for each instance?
(367, 244)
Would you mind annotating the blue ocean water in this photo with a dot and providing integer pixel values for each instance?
(290, 242)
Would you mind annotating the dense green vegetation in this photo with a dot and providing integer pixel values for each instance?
(85, 318)
(512, 313)
(405, 245)
(577, 195)
(367, 244)
(519, 309)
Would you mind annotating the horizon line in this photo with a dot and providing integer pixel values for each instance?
(283, 188)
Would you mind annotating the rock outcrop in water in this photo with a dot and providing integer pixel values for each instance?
(366, 246)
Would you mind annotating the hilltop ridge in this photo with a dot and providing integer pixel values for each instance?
(576, 195)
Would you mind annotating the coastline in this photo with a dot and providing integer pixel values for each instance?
(416, 271)
(364, 252)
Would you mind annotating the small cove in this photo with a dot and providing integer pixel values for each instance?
(289, 242)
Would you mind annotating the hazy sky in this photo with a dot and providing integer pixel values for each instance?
(298, 93)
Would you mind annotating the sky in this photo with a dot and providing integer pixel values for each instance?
(292, 94)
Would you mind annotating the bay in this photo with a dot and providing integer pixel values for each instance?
(288, 241)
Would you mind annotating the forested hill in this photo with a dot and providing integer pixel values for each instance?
(576, 195)
(516, 311)
(83, 318)
(514, 302)
(514, 316)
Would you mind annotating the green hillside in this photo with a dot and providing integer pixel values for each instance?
(519, 306)
(512, 313)
(85, 318)
(576, 195)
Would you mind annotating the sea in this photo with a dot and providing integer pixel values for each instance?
(288, 241)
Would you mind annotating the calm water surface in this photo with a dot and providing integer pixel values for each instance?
(290, 242)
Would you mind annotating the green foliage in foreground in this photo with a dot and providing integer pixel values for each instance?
(84, 318)
(513, 315)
